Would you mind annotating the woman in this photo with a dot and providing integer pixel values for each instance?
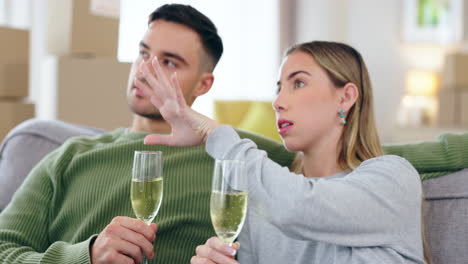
(348, 203)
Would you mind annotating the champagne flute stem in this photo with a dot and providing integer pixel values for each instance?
(145, 260)
(230, 244)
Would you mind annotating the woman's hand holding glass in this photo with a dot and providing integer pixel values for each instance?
(228, 204)
(215, 251)
(228, 208)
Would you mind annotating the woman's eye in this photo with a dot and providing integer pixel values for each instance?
(299, 84)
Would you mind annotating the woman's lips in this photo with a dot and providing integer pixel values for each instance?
(284, 130)
(284, 126)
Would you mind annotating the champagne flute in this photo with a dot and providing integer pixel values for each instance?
(147, 186)
(228, 206)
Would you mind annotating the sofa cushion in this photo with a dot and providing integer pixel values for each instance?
(446, 217)
(25, 146)
(254, 116)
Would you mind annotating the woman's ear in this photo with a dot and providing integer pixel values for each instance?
(204, 85)
(349, 95)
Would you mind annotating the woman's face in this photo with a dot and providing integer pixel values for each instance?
(307, 104)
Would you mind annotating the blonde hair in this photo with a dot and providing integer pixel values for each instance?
(343, 65)
(359, 141)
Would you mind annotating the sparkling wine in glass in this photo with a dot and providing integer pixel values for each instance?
(147, 186)
(228, 206)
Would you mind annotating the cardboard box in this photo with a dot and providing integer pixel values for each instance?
(453, 108)
(454, 88)
(455, 71)
(13, 80)
(12, 113)
(448, 109)
(89, 91)
(464, 109)
(14, 46)
(74, 29)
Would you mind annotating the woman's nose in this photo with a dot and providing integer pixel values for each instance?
(278, 104)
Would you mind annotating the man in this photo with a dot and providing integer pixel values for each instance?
(74, 207)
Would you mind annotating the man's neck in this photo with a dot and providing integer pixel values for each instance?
(143, 124)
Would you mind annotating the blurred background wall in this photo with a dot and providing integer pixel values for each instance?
(79, 53)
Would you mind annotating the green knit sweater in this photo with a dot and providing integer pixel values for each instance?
(449, 153)
(76, 191)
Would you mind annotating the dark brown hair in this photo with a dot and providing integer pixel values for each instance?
(192, 18)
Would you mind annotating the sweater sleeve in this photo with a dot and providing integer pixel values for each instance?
(368, 207)
(24, 224)
(247, 253)
(274, 149)
(434, 158)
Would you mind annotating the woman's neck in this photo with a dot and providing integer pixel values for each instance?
(321, 160)
(319, 166)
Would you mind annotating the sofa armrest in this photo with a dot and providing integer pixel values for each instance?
(445, 217)
(26, 145)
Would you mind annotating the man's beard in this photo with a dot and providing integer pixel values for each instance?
(152, 116)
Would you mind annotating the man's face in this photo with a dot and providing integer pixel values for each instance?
(178, 49)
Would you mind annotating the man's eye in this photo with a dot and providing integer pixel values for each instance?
(169, 63)
(144, 55)
(299, 84)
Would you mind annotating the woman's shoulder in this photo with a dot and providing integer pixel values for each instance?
(391, 167)
(390, 161)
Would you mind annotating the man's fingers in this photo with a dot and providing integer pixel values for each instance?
(128, 249)
(121, 250)
(136, 225)
(138, 240)
(116, 257)
(124, 240)
(154, 227)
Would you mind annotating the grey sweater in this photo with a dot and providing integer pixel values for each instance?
(369, 215)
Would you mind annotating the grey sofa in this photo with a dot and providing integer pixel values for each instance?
(26, 145)
(446, 197)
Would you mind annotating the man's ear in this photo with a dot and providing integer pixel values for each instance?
(349, 95)
(204, 85)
